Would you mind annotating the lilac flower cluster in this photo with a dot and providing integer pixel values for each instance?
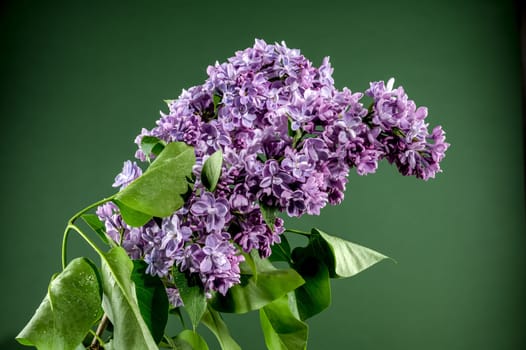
(289, 139)
(404, 137)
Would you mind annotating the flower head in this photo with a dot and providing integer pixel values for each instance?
(289, 139)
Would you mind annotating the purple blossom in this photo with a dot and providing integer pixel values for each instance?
(216, 262)
(297, 164)
(316, 150)
(152, 236)
(302, 107)
(404, 137)
(212, 138)
(121, 233)
(274, 180)
(289, 139)
(157, 263)
(174, 297)
(130, 172)
(133, 243)
(213, 211)
(215, 254)
(154, 255)
(315, 197)
(174, 236)
(296, 203)
(367, 161)
(239, 202)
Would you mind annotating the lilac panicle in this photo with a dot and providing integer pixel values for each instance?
(289, 139)
(404, 136)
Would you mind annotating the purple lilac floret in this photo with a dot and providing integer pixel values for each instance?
(130, 172)
(289, 139)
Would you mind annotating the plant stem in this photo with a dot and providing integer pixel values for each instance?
(289, 260)
(303, 233)
(100, 329)
(85, 237)
(71, 225)
(89, 207)
(64, 247)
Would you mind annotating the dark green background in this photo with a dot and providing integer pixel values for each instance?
(79, 81)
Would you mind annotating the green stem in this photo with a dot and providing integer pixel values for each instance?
(97, 340)
(71, 225)
(86, 238)
(64, 247)
(303, 233)
(169, 342)
(89, 207)
(289, 260)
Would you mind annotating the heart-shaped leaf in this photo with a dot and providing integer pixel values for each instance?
(160, 190)
(281, 251)
(69, 310)
(131, 216)
(343, 258)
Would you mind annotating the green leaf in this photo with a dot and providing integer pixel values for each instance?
(132, 217)
(152, 145)
(69, 310)
(191, 291)
(295, 134)
(212, 170)
(315, 295)
(262, 157)
(217, 102)
(130, 331)
(258, 264)
(289, 126)
(293, 304)
(96, 225)
(269, 214)
(343, 258)
(109, 346)
(248, 266)
(213, 320)
(255, 292)
(281, 251)
(152, 299)
(160, 190)
(281, 329)
(190, 340)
